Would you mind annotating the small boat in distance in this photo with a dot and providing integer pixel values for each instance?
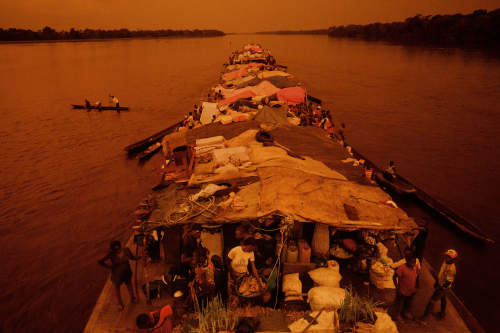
(94, 107)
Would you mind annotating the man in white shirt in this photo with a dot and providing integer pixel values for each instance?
(241, 256)
(445, 279)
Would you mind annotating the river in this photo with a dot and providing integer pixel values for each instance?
(68, 189)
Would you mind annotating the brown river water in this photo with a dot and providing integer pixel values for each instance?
(67, 188)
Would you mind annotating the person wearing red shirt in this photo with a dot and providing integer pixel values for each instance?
(406, 281)
(158, 321)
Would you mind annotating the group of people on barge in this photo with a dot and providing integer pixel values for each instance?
(248, 258)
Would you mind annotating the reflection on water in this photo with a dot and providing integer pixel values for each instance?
(67, 188)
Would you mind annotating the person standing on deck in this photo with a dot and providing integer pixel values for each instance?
(445, 279)
(418, 244)
(340, 134)
(406, 281)
(120, 269)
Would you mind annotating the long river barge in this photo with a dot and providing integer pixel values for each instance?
(263, 159)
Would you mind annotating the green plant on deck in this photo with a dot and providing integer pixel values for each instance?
(355, 308)
(215, 316)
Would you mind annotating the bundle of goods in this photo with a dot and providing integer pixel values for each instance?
(292, 287)
(381, 276)
(327, 276)
(339, 252)
(321, 240)
(325, 298)
(292, 253)
(249, 287)
(304, 252)
(384, 323)
(381, 272)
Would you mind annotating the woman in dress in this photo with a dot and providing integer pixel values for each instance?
(118, 261)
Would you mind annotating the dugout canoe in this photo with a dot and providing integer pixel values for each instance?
(103, 108)
(144, 144)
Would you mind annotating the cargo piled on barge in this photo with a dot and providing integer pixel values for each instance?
(240, 174)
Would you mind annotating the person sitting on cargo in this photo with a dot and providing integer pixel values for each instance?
(390, 172)
(160, 321)
(87, 103)
(121, 272)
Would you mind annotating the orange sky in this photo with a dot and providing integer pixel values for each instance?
(226, 15)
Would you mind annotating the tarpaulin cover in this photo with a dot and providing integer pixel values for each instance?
(266, 74)
(240, 81)
(292, 95)
(255, 64)
(272, 115)
(244, 94)
(308, 197)
(234, 74)
(209, 110)
(277, 81)
(265, 88)
(238, 116)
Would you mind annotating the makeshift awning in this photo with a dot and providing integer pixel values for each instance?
(272, 115)
(266, 74)
(292, 95)
(234, 74)
(209, 110)
(245, 94)
(265, 88)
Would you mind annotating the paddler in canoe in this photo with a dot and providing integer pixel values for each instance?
(115, 101)
(390, 172)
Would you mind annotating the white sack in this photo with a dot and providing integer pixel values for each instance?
(325, 298)
(292, 284)
(384, 323)
(326, 276)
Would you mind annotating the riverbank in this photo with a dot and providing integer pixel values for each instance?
(48, 34)
(480, 28)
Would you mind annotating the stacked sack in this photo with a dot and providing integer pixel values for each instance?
(380, 272)
(327, 295)
(292, 287)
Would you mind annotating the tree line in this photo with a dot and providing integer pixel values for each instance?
(295, 32)
(480, 28)
(47, 33)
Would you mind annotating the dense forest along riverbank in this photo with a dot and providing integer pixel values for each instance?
(68, 188)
